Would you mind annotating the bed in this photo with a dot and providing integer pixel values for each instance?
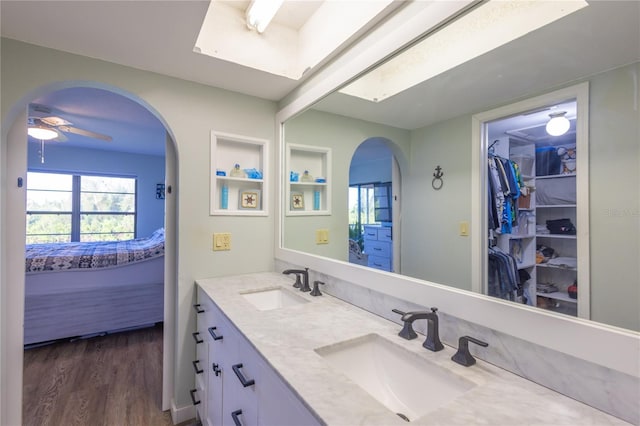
(84, 289)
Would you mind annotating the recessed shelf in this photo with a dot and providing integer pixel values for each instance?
(238, 196)
(307, 198)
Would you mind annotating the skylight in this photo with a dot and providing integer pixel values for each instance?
(480, 31)
(302, 35)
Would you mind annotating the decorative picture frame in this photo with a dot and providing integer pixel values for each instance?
(249, 199)
(297, 201)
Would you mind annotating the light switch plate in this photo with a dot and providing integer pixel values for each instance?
(464, 229)
(221, 241)
(322, 236)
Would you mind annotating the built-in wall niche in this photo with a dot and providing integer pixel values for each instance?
(308, 189)
(239, 170)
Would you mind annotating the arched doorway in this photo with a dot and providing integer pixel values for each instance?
(374, 207)
(15, 164)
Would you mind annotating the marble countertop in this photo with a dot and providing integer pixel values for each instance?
(287, 338)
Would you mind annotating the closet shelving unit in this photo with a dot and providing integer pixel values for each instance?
(250, 153)
(524, 241)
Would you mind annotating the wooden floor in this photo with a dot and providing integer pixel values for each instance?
(109, 380)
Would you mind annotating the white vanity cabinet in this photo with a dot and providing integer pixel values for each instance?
(238, 385)
(378, 244)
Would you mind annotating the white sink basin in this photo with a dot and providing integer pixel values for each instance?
(273, 298)
(405, 383)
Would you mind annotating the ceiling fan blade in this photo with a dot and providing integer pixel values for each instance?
(61, 136)
(55, 121)
(87, 133)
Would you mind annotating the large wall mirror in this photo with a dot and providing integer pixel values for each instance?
(425, 119)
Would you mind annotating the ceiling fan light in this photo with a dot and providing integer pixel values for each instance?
(42, 133)
(558, 125)
(261, 12)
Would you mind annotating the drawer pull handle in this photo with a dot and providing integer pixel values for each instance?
(235, 416)
(196, 338)
(216, 369)
(193, 397)
(195, 366)
(243, 380)
(212, 331)
(197, 308)
(377, 248)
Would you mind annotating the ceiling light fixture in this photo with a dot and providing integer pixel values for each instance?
(558, 125)
(261, 12)
(42, 132)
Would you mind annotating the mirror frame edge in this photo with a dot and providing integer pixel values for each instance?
(525, 322)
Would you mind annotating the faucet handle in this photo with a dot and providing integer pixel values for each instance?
(316, 290)
(434, 309)
(407, 331)
(298, 283)
(463, 356)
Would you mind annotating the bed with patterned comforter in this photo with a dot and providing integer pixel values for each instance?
(83, 289)
(89, 255)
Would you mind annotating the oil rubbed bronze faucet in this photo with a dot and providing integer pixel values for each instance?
(432, 342)
(304, 273)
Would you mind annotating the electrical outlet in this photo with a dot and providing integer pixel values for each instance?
(221, 241)
(322, 236)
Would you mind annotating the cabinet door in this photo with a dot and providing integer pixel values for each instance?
(277, 404)
(241, 379)
(222, 345)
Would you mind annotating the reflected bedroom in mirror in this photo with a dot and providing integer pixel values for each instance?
(548, 206)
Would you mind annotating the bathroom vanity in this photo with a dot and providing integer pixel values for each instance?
(270, 354)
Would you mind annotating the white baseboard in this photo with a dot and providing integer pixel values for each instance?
(182, 414)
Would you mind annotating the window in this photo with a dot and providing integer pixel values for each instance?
(368, 204)
(64, 207)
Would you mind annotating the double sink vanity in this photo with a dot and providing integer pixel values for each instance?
(271, 354)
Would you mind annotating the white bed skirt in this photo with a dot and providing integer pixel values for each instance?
(64, 304)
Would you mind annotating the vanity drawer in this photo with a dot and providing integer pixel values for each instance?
(378, 248)
(378, 262)
(370, 233)
(384, 234)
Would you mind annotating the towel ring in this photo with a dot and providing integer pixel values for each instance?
(437, 181)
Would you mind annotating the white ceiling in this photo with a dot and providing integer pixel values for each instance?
(156, 36)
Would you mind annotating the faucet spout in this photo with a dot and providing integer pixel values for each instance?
(432, 342)
(304, 273)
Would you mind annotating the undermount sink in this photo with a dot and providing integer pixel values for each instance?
(273, 298)
(402, 381)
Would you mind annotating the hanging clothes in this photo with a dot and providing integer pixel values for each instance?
(503, 277)
(504, 186)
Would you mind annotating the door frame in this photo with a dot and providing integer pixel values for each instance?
(479, 220)
(12, 212)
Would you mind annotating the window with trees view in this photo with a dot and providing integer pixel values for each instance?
(63, 207)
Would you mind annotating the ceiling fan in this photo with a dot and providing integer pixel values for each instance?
(59, 125)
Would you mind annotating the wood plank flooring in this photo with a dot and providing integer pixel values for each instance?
(112, 380)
